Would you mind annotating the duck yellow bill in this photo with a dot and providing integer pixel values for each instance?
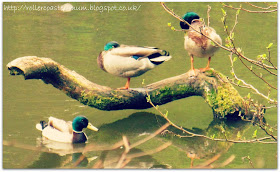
(91, 127)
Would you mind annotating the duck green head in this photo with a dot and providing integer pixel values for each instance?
(189, 17)
(110, 45)
(81, 122)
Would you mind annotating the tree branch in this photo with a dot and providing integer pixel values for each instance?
(221, 96)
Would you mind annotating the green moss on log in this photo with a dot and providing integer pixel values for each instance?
(225, 99)
(168, 93)
(100, 102)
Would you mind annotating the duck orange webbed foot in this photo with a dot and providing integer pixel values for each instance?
(122, 88)
(204, 69)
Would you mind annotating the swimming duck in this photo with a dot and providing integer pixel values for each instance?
(130, 61)
(197, 44)
(67, 132)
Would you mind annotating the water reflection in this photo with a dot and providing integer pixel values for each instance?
(141, 124)
(136, 127)
(60, 148)
(60, 154)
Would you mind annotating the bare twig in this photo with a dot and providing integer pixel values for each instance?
(246, 85)
(226, 162)
(264, 8)
(256, 74)
(81, 158)
(231, 43)
(160, 148)
(191, 134)
(208, 15)
(150, 136)
(126, 150)
(249, 159)
(100, 162)
(208, 163)
(250, 11)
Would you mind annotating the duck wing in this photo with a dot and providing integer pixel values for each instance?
(60, 125)
(56, 135)
(128, 51)
(199, 39)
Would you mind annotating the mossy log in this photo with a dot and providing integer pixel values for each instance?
(213, 86)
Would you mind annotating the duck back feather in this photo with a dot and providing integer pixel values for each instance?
(131, 61)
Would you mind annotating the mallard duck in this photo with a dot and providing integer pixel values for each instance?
(130, 61)
(67, 132)
(197, 44)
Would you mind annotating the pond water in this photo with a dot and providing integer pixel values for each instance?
(76, 38)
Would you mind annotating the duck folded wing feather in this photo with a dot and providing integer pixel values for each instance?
(134, 51)
(61, 125)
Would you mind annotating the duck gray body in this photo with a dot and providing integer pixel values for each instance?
(130, 61)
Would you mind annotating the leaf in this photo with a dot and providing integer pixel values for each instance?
(249, 95)
(166, 114)
(238, 135)
(238, 82)
(143, 82)
(269, 46)
(232, 35)
(148, 98)
(234, 59)
(224, 12)
(238, 50)
(255, 134)
(237, 12)
(172, 28)
(169, 24)
(213, 136)
(157, 107)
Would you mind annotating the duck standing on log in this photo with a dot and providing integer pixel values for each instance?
(195, 43)
(130, 61)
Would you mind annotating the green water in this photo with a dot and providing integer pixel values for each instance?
(75, 39)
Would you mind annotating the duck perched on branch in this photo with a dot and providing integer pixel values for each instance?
(196, 43)
(67, 132)
(130, 61)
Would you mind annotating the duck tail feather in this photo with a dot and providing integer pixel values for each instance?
(161, 59)
(40, 126)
